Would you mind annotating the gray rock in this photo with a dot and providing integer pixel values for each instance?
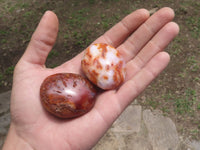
(4, 102)
(111, 141)
(4, 124)
(193, 145)
(4, 115)
(129, 121)
(138, 143)
(4, 112)
(162, 131)
(123, 130)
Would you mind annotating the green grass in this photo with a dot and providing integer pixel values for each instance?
(194, 26)
(154, 104)
(77, 31)
(81, 39)
(53, 65)
(191, 60)
(194, 133)
(168, 96)
(176, 46)
(165, 110)
(4, 32)
(196, 79)
(184, 104)
(3, 41)
(198, 106)
(193, 64)
(12, 7)
(91, 1)
(77, 19)
(195, 68)
(1, 78)
(193, 22)
(9, 70)
(52, 54)
(107, 21)
(28, 14)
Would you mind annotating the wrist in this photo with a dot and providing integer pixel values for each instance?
(13, 141)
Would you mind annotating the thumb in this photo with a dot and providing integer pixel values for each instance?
(42, 40)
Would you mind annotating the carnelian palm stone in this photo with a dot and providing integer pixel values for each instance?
(67, 95)
(104, 66)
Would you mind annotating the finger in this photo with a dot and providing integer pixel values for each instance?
(145, 32)
(133, 87)
(42, 40)
(118, 33)
(154, 46)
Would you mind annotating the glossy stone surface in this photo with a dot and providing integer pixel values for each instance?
(104, 66)
(67, 95)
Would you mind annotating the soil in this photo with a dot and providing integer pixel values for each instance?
(81, 22)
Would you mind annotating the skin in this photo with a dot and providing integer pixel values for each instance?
(140, 38)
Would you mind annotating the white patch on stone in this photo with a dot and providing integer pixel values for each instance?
(94, 51)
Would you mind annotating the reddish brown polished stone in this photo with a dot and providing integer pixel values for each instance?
(67, 95)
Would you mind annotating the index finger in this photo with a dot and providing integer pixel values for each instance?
(120, 32)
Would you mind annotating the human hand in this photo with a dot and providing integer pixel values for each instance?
(139, 38)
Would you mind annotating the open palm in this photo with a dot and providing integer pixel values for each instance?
(140, 38)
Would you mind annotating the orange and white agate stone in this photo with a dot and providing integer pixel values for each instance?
(104, 66)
